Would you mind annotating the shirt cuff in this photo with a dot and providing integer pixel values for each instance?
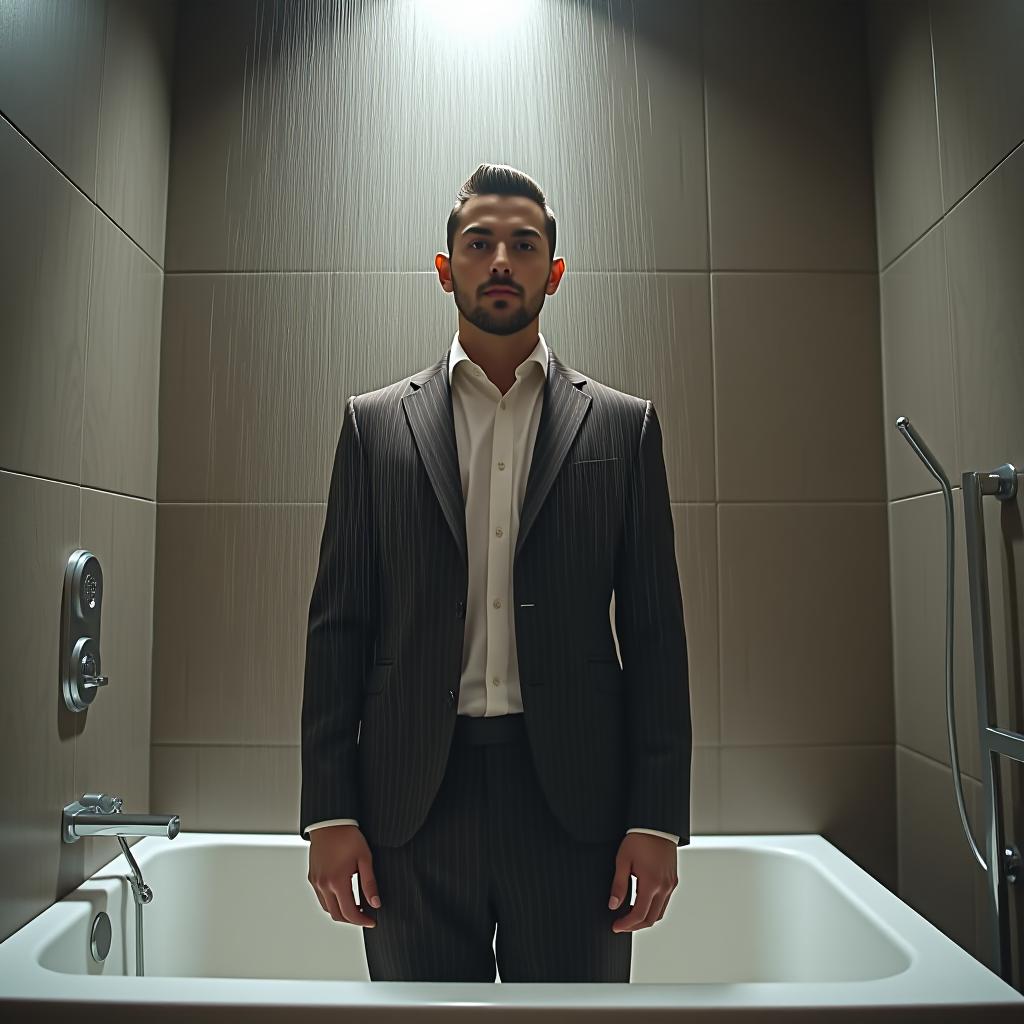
(332, 821)
(655, 832)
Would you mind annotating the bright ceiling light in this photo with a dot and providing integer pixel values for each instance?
(476, 18)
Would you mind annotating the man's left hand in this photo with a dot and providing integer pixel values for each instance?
(653, 860)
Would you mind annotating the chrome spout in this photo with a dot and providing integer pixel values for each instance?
(100, 815)
(85, 824)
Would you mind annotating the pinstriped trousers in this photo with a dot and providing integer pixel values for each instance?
(491, 855)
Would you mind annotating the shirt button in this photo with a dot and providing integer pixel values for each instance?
(499, 532)
(501, 465)
(497, 602)
(495, 680)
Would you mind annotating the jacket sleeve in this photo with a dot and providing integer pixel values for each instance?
(652, 641)
(339, 639)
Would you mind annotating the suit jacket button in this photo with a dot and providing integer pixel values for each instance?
(460, 609)
(451, 696)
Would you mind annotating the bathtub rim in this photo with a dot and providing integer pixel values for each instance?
(23, 976)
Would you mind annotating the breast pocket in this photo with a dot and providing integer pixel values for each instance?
(581, 465)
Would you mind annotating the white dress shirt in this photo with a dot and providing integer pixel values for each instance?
(495, 435)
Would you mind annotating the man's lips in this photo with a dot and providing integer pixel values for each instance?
(501, 291)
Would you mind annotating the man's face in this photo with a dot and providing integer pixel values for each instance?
(500, 240)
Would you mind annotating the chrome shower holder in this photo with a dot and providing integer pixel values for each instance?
(1000, 862)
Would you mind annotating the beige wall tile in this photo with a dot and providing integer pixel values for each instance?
(51, 56)
(256, 369)
(908, 197)
(232, 595)
(112, 754)
(174, 782)
(985, 248)
(37, 754)
(697, 558)
(798, 377)
(917, 530)
(917, 358)
(979, 79)
(935, 862)
(846, 794)
(135, 119)
(45, 263)
(623, 88)
(705, 792)
(122, 383)
(788, 126)
(248, 789)
(805, 641)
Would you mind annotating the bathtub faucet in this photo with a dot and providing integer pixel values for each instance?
(97, 814)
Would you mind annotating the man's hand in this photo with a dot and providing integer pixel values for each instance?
(653, 860)
(336, 853)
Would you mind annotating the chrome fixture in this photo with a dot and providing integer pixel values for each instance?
(99, 939)
(80, 630)
(97, 814)
(1001, 862)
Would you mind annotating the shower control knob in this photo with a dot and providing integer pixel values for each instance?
(1011, 864)
(89, 679)
(81, 672)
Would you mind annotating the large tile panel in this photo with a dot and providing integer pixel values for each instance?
(622, 92)
(122, 379)
(229, 788)
(789, 138)
(917, 358)
(51, 56)
(797, 387)
(211, 787)
(112, 754)
(256, 369)
(936, 866)
(705, 792)
(908, 196)
(917, 543)
(232, 596)
(135, 119)
(985, 247)
(40, 520)
(805, 625)
(846, 794)
(697, 558)
(174, 782)
(45, 264)
(979, 78)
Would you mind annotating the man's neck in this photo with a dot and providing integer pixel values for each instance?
(499, 356)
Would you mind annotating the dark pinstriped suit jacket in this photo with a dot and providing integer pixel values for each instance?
(612, 746)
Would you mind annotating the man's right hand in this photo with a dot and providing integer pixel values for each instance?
(336, 853)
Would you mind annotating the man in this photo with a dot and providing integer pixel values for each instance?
(465, 715)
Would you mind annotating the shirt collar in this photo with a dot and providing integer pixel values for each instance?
(539, 355)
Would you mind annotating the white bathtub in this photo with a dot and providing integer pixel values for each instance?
(757, 923)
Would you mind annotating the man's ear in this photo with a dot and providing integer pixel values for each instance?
(444, 270)
(555, 275)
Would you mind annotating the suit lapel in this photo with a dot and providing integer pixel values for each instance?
(429, 412)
